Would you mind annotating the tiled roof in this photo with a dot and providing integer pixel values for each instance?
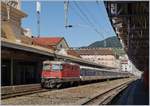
(73, 53)
(53, 41)
(95, 51)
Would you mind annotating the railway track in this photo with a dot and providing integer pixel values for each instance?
(20, 90)
(106, 97)
(13, 91)
(36, 88)
(68, 96)
(22, 93)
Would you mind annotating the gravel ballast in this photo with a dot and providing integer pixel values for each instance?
(70, 96)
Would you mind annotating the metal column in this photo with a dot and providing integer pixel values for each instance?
(11, 71)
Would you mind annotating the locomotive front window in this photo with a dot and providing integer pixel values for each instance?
(56, 67)
(46, 67)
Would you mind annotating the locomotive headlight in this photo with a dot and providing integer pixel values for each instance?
(42, 80)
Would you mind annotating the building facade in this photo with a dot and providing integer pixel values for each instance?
(58, 44)
(11, 28)
(21, 62)
(128, 66)
(103, 56)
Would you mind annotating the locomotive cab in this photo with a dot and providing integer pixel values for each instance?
(51, 74)
(51, 70)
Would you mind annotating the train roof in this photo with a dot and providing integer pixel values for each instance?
(86, 67)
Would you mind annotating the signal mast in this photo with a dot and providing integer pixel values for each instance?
(38, 10)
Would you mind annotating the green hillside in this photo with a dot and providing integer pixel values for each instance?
(111, 42)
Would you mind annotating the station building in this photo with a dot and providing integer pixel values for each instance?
(58, 44)
(21, 62)
(104, 56)
(55, 43)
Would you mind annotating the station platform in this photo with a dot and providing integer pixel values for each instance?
(5, 90)
(135, 94)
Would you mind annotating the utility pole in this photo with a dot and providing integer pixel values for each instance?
(66, 4)
(38, 10)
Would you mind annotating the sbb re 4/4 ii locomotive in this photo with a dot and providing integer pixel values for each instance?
(56, 73)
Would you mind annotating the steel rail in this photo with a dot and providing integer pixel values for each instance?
(105, 97)
(21, 90)
(22, 93)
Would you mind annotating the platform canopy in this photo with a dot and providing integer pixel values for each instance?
(130, 20)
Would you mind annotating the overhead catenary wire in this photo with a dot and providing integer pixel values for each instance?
(106, 31)
(98, 5)
(89, 22)
(99, 25)
(93, 19)
(86, 17)
(90, 14)
(78, 14)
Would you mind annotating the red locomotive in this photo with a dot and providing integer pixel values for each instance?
(56, 73)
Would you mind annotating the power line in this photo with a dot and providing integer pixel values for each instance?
(94, 20)
(106, 31)
(80, 16)
(91, 15)
(98, 5)
(90, 23)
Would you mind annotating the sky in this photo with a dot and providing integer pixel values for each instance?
(89, 21)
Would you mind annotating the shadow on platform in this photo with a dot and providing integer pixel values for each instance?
(135, 94)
